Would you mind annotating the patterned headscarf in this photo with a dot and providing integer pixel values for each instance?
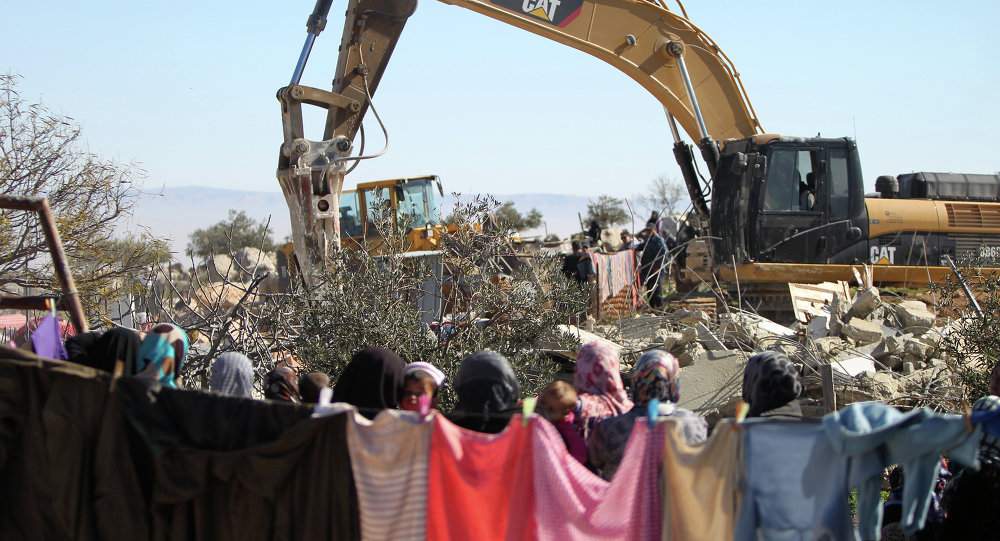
(597, 374)
(655, 376)
(232, 374)
(164, 340)
(598, 385)
(770, 380)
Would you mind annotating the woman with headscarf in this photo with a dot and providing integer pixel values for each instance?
(232, 374)
(372, 381)
(162, 354)
(282, 385)
(488, 392)
(598, 385)
(656, 376)
(771, 385)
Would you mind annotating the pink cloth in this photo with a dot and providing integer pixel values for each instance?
(575, 443)
(480, 486)
(599, 385)
(573, 503)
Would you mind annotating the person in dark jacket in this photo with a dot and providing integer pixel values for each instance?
(372, 381)
(488, 392)
(654, 252)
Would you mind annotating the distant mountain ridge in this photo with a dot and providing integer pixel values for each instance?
(175, 213)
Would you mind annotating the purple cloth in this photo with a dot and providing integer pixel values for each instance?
(47, 339)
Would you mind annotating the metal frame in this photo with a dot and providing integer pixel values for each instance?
(70, 301)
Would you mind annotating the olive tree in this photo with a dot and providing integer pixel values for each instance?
(43, 154)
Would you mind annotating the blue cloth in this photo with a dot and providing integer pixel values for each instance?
(47, 339)
(916, 440)
(795, 486)
(989, 419)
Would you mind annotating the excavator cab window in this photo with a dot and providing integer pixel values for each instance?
(839, 197)
(791, 181)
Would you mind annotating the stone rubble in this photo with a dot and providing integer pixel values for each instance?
(879, 349)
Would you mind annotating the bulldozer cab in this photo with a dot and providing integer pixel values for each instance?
(413, 205)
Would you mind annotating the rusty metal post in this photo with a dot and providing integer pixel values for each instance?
(40, 205)
(829, 394)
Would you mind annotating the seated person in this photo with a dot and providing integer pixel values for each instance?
(807, 192)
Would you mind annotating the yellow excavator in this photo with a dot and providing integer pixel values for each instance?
(774, 209)
(412, 206)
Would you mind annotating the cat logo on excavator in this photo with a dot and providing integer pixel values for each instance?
(556, 12)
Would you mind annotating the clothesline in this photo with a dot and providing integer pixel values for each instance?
(79, 461)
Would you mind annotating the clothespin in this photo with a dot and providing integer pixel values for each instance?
(325, 396)
(424, 406)
(527, 409)
(653, 410)
(51, 305)
(968, 421)
(742, 409)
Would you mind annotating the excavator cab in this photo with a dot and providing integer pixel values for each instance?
(799, 201)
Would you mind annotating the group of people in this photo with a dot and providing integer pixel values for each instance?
(654, 243)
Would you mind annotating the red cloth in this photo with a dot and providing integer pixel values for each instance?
(480, 486)
(615, 272)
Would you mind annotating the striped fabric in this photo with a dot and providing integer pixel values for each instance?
(615, 272)
(389, 457)
(12, 321)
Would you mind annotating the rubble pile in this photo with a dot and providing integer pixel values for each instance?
(888, 350)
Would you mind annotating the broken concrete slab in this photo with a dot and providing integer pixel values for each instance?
(691, 317)
(853, 366)
(893, 362)
(866, 302)
(713, 381)
(862, 331)
(753, 328)
(708, 338)
(917, 348)
(583, 336)
(914, 314)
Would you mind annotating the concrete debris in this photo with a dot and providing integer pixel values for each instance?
(819, 326)
(255, 263)
(753, 328)
(708, 339)
(917, 348)
(865, 303)
(220, 267)
(915, 314)
(692, 317)
(712, 382)
(688, 335)
(862, 331)
(690, 353)
(853, 366)
(667, 338)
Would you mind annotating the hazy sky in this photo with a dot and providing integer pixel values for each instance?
(186, 89)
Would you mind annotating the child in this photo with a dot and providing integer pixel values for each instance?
(420, 378)
(558, 402)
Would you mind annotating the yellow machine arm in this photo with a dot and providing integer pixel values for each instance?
(636, 37)
(664, 52)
